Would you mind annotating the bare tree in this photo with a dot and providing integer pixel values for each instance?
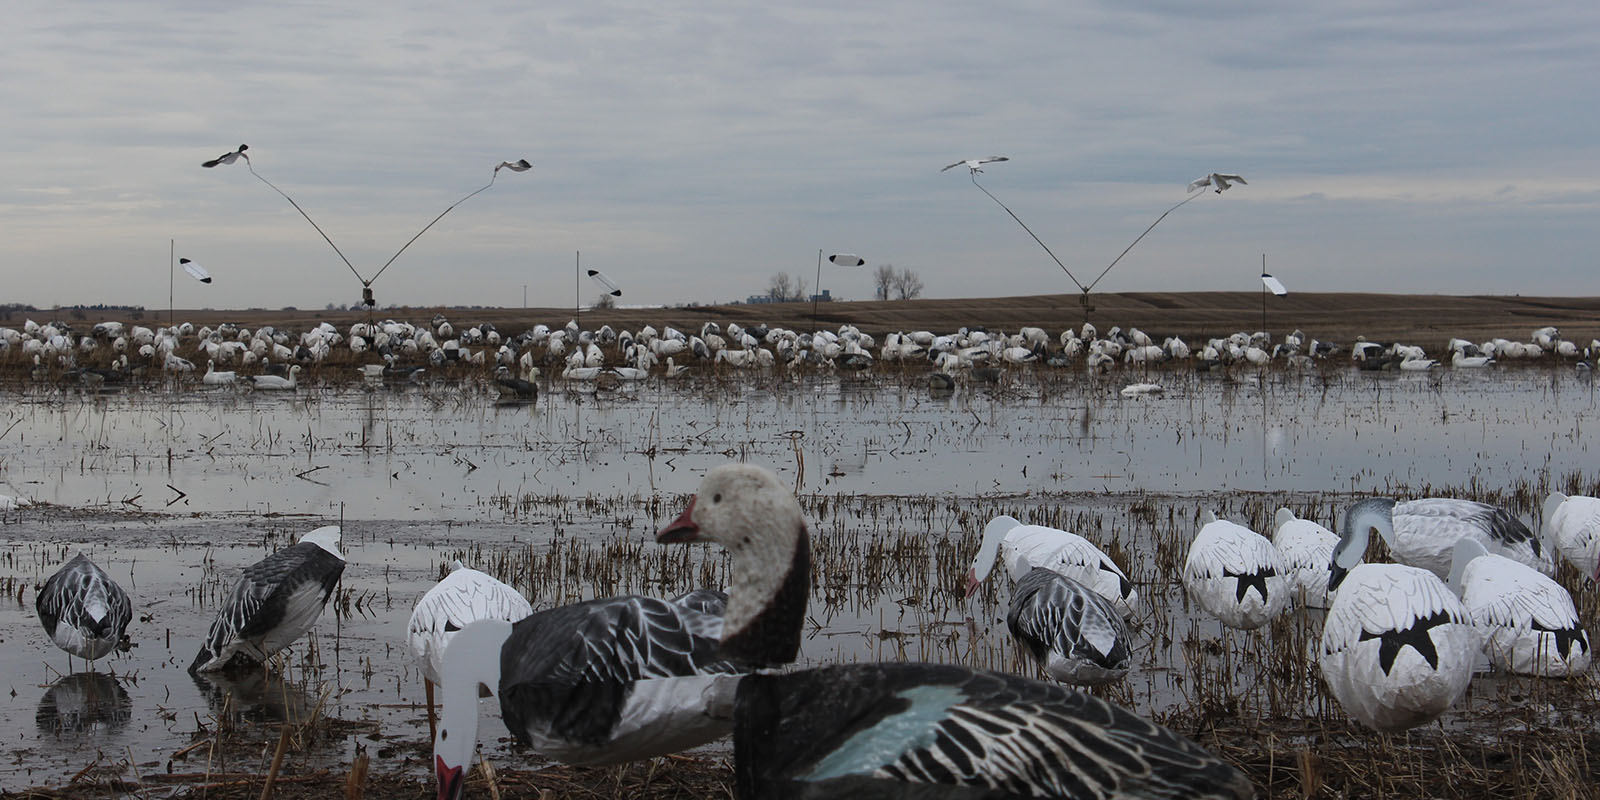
(606, 300)
(784, 288)
(907, 285)
(883, 279)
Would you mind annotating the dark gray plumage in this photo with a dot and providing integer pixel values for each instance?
(83, 610)
(276, 601)
(567, 673)
(906, 730)
(1076, 635)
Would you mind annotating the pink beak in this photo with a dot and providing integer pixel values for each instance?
(972, 583)
(681, 529)
(451, 780)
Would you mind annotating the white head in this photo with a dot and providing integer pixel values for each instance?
(1283, 517)
(326, 537)
(1552, 504)
(1466, 549)
(471, 664)
(751, 514)
(993, 534)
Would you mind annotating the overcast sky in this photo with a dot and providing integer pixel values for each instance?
(691, 149)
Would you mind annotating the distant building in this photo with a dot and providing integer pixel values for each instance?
(825, 297)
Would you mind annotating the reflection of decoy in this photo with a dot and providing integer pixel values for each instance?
(83, 610)
(941, 381)
(276, 601)
(256, 696)
(84, 703)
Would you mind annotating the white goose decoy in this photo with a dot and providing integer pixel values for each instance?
(907, 729)
(276, 601)
(1216, 180)
(1307, 549)
(275, 382)
(520, 165)
(1526, 620)
(213, 377)
(976, 164)
(1573, 525)
(83, 609)
(1235, 574)
(463, 597)
(1397, 646)
(1423, 533)
(1078, 636)
(1027, 546)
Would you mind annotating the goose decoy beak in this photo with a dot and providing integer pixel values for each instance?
(682, 529)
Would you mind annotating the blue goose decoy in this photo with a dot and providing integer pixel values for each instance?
(274, 603)
(83, 610)
(905, 729)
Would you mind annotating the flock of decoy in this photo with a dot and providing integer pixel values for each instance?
(267, 358)
(622, 678)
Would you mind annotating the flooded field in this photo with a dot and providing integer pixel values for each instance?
(173, 493)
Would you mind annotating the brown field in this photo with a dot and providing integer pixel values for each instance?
(1429, 320)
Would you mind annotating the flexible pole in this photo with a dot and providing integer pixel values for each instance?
(172, 259)
(1141, 236)
(974, 176)
(816, 292)
(577, 286)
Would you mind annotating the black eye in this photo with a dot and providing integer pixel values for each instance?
(716, 498)
(444, 734)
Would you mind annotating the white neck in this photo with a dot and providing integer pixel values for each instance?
(993, 534)
(471, 659)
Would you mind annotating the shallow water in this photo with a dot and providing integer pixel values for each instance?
(560, 497)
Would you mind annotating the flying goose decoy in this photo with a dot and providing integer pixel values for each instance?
(1217, 180)
(228, 158)
(976, 164)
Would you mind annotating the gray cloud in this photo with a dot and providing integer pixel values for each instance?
(693, 149)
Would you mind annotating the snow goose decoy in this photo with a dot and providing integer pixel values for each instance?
(85, 612)
(1027, 546)
(1078, 636)
(1236, 574)
(1218, 181)
(1526, 620)
(275, 602)
(275, 382)
(1423, 533)
(463, 597)
(976, 164)
(213, 377)
(1307, 549)
(907, 729)
(1397, 646)
(1573, 525)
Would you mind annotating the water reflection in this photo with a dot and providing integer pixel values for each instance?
(85, 703)
(259, 697)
